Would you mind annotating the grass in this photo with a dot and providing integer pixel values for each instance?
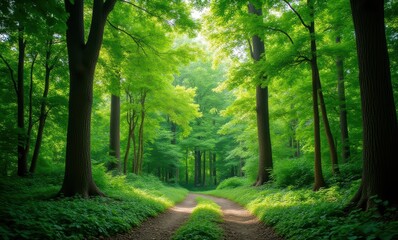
(203, 224)
(28, 212)
(299, 213)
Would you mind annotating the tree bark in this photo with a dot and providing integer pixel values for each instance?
(264, 138)
(215, 168)
(319, 180)
(22, 154)
(314, 67)
(328, 131)
(346, 152)
(204, 169)
(380, 130)
(83, 58)
(198, 169)
(318, 176)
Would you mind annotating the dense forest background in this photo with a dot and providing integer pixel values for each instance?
(196, 92)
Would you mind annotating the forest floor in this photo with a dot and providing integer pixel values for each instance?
(238, 222)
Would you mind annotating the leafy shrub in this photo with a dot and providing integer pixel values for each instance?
(232, 182)
(203, 223)
(293, 172)
(304, 214)
(28, 211)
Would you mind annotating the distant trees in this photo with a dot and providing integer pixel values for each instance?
(24, 41)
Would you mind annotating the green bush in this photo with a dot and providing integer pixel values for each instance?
(29, 211)
(304, 214)
(203, 223)
(293, 172)
(232, 182)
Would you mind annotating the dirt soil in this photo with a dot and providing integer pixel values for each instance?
(238, 223)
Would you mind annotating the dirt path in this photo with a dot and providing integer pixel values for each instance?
(238, 223)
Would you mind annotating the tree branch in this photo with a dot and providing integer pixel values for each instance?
(145, 10)
(11, 73)
(300, 59)
(298, 14)
(280, 30)
(108, 6)
(140, 43)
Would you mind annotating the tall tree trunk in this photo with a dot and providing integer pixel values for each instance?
(114, 134)
(83, 58)
(346, 152)
(22, 154)
(210, 168)
(380, 130)
(30, 115)
(215, 168)
(314, 67)
(43, 109)
(319, 180)
(198, 169)
(204, 169)
(264, 138)
(140, 154)
(318, 176)
(328, 131)
(127, 151)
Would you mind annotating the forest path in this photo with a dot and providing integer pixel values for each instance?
(241, 224)
(238, 223)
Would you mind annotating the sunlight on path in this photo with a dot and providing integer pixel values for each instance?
(164, 225)
(238, 223)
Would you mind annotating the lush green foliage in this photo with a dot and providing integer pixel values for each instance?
(203, 223)
(232, 182)
(28, 210)
(304, 214)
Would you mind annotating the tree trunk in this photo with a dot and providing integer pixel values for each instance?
(264, 138)
(83, 58)
(380, 130)
(328, 131)
(126, 153)
(114, 138)
(214, 169)
(204, 169)
(314, 67)
(346, 152)
(140, 153)
(43, 109)
(210, 168)
(22, 154)
(318, 176)
(198, 170)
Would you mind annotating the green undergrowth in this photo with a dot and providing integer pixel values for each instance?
(28, 211)
(203, 224)
(299, 213)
